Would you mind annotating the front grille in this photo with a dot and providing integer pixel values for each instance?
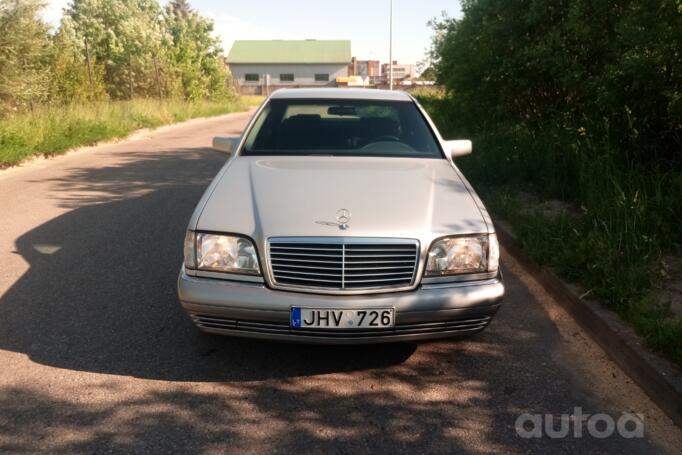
(343, 263)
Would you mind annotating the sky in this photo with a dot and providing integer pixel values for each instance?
(364, 22)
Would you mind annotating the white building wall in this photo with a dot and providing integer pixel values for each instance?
(400, 71)
(303, 74)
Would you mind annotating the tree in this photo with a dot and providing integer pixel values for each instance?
(196, 54)
(24, 51)
(429, 74)
(610, 65)
(116, 49)
(128, 38)
(74, 77)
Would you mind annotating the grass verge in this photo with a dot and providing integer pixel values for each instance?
(52, 130)
(583, 251)
(615, 225)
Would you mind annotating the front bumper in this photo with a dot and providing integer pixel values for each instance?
(253, 310)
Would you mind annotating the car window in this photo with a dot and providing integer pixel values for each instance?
(341, 128)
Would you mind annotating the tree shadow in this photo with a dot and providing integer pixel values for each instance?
(100, 294)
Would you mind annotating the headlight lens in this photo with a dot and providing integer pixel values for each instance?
(472, 254)
(223, 253)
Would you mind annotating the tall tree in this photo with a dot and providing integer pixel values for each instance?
(614, 65)
(127, 36)
(196, 53)
(74, 76)
(115, 49)
(24, 54)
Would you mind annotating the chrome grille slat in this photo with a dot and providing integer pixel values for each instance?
(338, 269)
(319, 280)
(312, 255)
(303, 260)
(296, 248)
(377, 262)
(343, 264)
(295, 272)
(348, 280)
(379, 250)
(350, 255)
(347, 275)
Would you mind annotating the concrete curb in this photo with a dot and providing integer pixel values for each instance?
(659, 379)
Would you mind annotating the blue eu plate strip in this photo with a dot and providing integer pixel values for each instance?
(296, 317)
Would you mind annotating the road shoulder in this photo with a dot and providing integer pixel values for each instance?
(657, 377)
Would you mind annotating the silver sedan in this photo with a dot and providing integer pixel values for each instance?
(341, 217)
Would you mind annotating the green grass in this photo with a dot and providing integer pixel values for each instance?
(622, 275)
(53, 130)
(623, 220)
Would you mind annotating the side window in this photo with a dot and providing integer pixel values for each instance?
(252, 77)
(286, 77)
(258, 126)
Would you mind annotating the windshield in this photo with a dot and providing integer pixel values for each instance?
(341, 128)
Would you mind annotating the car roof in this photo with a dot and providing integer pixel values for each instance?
(341, 93)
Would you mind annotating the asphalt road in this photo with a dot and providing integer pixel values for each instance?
(97, 356)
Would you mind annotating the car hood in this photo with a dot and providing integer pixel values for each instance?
(266, 197)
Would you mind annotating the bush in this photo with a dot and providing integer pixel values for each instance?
(577, 101)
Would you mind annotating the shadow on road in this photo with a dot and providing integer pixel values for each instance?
(100, 297)
(100, 294)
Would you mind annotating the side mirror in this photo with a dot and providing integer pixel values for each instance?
(226, 144)
(458, 148)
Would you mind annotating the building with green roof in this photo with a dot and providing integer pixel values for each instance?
(265, 65)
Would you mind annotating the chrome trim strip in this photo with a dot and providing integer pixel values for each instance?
(229, 276)
(458, 278)
(460, 284)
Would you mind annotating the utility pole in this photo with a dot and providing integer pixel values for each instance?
(390, 49)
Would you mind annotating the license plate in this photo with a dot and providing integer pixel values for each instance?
(374, 318)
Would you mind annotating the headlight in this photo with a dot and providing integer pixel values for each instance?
(221, 253)
(471, 254)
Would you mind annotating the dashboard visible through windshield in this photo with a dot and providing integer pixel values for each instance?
(341, 128)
